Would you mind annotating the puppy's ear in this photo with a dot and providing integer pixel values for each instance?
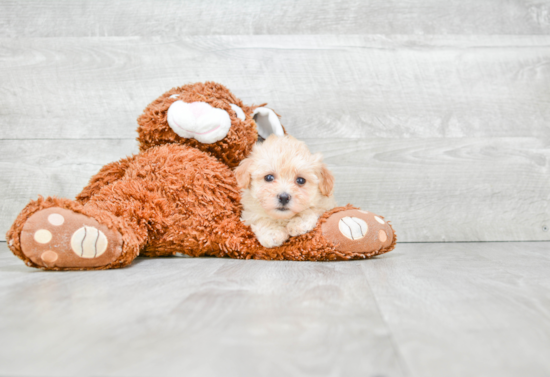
(242, 173)
(326, 181)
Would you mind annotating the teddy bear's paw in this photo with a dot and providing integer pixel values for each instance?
(57, 237)
(302, 225)
(359, 232)
(272, 237)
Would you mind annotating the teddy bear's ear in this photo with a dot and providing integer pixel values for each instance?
(267, 122)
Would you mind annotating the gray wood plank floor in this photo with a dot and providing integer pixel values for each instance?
(456, 309)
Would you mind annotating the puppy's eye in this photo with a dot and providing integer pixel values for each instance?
(269, 178)
(300, 180)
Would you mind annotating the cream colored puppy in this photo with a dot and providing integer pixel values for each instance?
(285, 189)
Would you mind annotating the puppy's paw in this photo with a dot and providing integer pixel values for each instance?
(301, 225)
(272, 237)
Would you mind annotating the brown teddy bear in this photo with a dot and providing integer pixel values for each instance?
(180, 195)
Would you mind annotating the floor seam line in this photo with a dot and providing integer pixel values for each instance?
(401, 360)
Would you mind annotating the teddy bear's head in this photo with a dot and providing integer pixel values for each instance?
(206, 116)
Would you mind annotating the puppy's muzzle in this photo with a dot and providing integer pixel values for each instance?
(284, 198)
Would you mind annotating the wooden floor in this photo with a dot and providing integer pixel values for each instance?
(455, 309)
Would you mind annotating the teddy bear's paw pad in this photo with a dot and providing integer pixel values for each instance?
(357, 231)
(58, 237)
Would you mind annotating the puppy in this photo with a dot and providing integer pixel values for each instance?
(285, 189)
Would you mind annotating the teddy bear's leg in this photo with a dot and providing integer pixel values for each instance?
(340, 234)
(106, 176)
(60, 234)
(358, 234)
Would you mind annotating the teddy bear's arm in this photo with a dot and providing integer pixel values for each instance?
(107, 175)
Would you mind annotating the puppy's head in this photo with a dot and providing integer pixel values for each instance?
(283, 177)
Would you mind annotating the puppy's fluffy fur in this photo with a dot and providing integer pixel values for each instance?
(285, 189)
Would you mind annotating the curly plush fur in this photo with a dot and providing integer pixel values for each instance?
(154, 130)
(180, 196)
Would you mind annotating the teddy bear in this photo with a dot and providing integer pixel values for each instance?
(179, 194)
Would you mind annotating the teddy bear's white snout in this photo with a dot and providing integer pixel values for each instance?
(198, 120)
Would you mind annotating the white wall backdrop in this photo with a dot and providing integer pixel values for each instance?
(435, 114)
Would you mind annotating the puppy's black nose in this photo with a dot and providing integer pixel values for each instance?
(284, 198)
